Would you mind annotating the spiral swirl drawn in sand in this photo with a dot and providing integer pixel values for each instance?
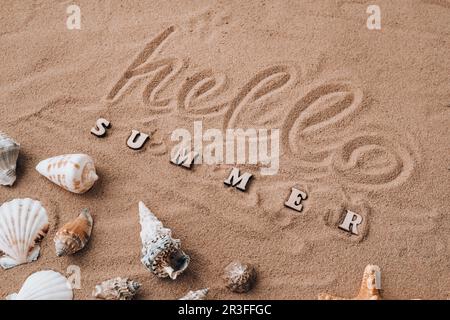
(197, 92)
(316, 132)
(372, 160)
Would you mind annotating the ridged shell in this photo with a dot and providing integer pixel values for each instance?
(196, 295)
(44, 285)
(73, 172)
(73, 236)
(116, 289)
(161, 254)
(9, 152)
(23, 223)
(239, 277)
(369, 289)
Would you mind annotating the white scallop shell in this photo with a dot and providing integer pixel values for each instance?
(73, 172)
(196, 295)
(9, 152)
(23, 223)
(161, 254)
(44, 285)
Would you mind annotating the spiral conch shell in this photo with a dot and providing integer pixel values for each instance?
(370, 286)
(23, 224)
(9, 152)
(116, 289)
(44, 285)
(239, 277)
(161, 254)
(196, 295)
(73, 172)
(73, 236)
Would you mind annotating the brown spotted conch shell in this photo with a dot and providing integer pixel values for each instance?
(370, 286)
(23, 224)
(73, 236)
(239, 277)
(161, 254)
(116, 289)
(73, 172)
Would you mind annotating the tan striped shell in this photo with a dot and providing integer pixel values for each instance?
(73, 172)
(74, 235)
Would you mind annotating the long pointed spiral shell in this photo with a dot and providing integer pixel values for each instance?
(73, 236)
(161, 254)
(73, 172)
(9, 152)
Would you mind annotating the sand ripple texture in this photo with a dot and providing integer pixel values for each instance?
(363, 125)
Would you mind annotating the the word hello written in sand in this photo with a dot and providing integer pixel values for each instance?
(182, 156)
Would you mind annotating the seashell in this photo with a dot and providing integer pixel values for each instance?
(23, 224)
(44, 285)
(239, 277)
(73, 236)
(73, 172)
(161, 254)
(9, 152)
(196, 295)
(116, 289)
(370, 286)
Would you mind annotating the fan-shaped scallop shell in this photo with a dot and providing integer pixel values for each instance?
(116, 289)
(196, 295)
(9, 152)
(44, 285)
(23, 223)
(74, 235)
(239, 277)
(73, 172)
(161, 254)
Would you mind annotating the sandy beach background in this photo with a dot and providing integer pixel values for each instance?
(364, 119)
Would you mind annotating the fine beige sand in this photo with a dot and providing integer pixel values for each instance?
(364, 120)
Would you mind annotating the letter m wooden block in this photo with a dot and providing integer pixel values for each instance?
(237, 180)
(183, 158)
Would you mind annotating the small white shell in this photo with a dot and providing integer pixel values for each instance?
(73, 172)
(9, 152)
(116, 289)
(161, 254)
(23, 223)
(196, 295)
(74, 235)
(44, 285)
